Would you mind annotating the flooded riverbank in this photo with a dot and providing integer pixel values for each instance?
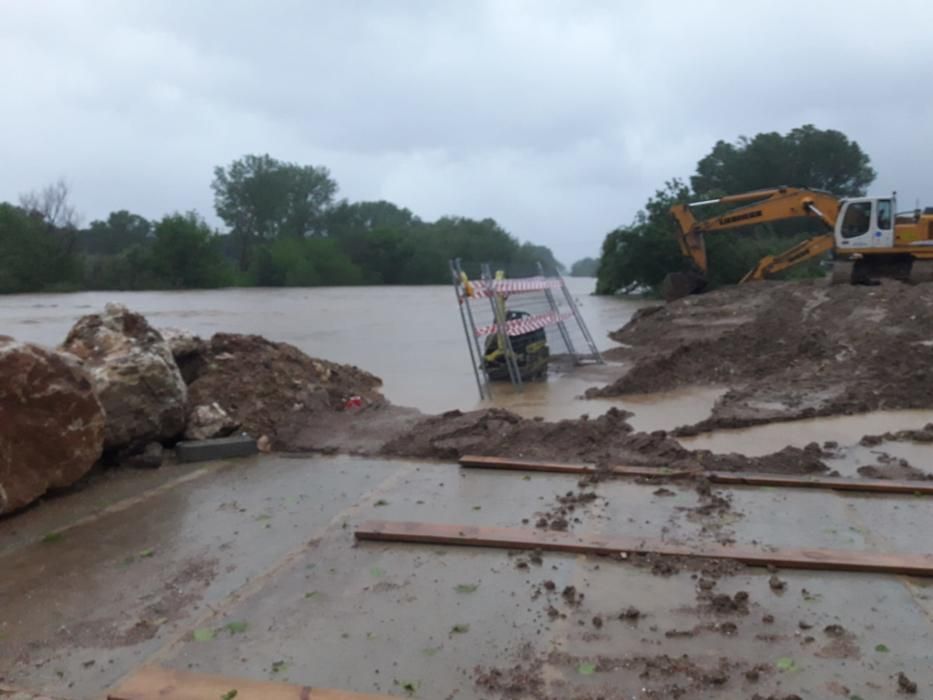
(410, 336)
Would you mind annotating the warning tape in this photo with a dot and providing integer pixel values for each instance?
(488, 288)
(526, 324)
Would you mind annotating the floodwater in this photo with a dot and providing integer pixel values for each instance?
(412, 337)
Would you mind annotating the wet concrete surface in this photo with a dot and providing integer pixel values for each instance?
(259, 556)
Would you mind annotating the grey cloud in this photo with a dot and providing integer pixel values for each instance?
(556, 118)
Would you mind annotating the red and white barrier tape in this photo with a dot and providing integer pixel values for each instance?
(488, 288)
(527, 324)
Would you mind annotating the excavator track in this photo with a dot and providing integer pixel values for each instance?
(921, 271)
(842, 272)
(678, 285)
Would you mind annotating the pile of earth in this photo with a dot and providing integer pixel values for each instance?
(270, 388)
(785, 350)
(605, 441)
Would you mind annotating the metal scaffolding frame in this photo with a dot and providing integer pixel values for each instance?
(490, 294)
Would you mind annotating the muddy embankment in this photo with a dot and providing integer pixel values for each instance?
(785, 350)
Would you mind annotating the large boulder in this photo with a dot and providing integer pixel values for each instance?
(136, 377)
(51, 423)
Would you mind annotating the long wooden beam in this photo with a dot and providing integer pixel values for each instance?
(158, 683)
(835, 483)
(521, 538)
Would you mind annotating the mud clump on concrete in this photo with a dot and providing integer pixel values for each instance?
(905, 685)
(894, 470)
(606, 439)
(786, 350)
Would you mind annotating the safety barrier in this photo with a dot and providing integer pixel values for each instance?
(516, 327)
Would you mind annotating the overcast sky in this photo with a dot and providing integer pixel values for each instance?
(558, 119)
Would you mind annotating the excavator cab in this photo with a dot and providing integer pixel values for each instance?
(865, 222)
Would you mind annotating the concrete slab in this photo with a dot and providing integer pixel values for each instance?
(217, 448)
(259, 556)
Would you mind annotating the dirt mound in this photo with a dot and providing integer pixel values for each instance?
(269, 387)
(603, 440)
(786, 350)
(790, 460)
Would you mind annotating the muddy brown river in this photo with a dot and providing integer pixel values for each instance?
(410, 336)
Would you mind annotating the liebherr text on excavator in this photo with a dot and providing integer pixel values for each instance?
(868, 239)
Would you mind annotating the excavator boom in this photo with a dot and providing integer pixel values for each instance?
(756, 207)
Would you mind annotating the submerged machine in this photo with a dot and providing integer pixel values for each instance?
(531, 353)
(516, 327)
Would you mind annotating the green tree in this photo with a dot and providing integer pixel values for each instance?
(638, 257)
(261, 198)
(303, 262)
(585, 267)
(186, 254)
(804, 157)
(121, 230)
(36, 255)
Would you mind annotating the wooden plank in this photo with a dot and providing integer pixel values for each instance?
(835, 483)
(520, 538)
(158, 683)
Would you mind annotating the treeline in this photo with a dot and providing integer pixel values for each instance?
(284, 227)
(637, 257)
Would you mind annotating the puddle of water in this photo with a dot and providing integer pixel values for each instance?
(669, 409)
(846, 430)
(559, 399)
(848, 460)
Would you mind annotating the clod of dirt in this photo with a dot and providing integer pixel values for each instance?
(549, 585)
(663, 492)
(603, 440)
(597, 622)
(767, 619)
(895, 470)
(776, 584)
(571, 596)
(834, 630)
(722, 604)
(630, 613)
(905, 685)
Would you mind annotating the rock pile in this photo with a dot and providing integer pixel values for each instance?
(121, 389)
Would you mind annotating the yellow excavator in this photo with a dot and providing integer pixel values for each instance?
(866, 237)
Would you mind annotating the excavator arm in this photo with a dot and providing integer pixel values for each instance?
(803, 251)
(757, 207)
